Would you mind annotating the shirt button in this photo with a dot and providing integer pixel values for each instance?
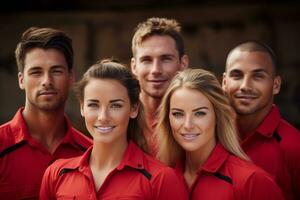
(139, 165)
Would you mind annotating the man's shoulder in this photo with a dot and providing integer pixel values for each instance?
(6, 137)
(80, 138)
(290, 136)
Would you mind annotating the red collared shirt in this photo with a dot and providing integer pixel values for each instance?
(138, 176)
(23, 160)
(275, 146)
(151, 138)
(226, 177)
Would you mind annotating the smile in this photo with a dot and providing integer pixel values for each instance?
(104, 129)
(189, 136)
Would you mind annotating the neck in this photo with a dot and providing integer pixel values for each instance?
(107, 156)
(150, 105)
(195, 160)
(46, 127)
(248, 123)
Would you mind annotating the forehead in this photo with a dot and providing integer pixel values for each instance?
(105, 89)
(189, 98)
(249, 61)
(44, 58)
(156, 44)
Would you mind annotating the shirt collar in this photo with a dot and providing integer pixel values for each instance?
(19, 128)
(216, 159)
(133, 157)
(270, 122)
(21, 132)
(214, 162)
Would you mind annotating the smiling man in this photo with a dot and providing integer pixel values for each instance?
(158, 54)
(251, 81)
(40, 132)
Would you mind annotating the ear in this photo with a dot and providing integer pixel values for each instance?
(184, 62)
(134, 110)
(133, 66)
(81, 109)
(224, 81)
(21, 80)
(276, 85)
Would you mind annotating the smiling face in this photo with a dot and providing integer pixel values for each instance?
(250, 82)
(45, 79)
(155, 64)
(192, 120)
(107, 109)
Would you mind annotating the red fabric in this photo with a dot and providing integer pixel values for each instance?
(151, 139)
(226, 177)
(280, 158)
(22, 169)
(124, 182)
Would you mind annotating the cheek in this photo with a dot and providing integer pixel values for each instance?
(90, 116)
(175, 123)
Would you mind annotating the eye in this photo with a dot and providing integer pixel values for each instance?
(35, 72)
(235, 75)
(145, 60)
(177, 114)
(116, 105)
(200, 113)
(259, 76)
(58, 71)
(92, 105)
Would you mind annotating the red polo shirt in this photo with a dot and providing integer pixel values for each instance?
(226, 177)
(138, 176)
(151, 138)
(23, 160)
(275, 146)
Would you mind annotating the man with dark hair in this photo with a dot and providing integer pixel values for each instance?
(40, 132)
(158, 54)
(251, 81)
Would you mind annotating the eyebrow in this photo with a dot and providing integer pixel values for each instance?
(196, 109)
(111, 101)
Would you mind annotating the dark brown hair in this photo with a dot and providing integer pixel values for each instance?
(44, 38)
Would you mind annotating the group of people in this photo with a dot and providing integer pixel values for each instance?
(160, 130)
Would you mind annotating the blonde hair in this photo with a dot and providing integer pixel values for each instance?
(158, 26)
(206, 83)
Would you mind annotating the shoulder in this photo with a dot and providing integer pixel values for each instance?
(289, 137)
(241, 170)
(160, 171)
(7, 138)
(155, 166)
(80, 138)
(62, 166)
(248, 178)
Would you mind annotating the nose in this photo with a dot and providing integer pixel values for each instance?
(156, 67)
(103, 115)
(246, 84)
(47, 80)
(188, 123)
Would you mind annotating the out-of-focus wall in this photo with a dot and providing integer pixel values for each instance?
(209, 33)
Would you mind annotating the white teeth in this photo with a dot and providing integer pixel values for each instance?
(190, 136)
(104, 129)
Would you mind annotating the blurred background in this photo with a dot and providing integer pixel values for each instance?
(102, 29)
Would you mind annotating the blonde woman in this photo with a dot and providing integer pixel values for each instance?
(197, 136)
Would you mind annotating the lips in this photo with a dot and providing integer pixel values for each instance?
(104, 129)
(189, 136)
(47, 92)
(158, 82)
